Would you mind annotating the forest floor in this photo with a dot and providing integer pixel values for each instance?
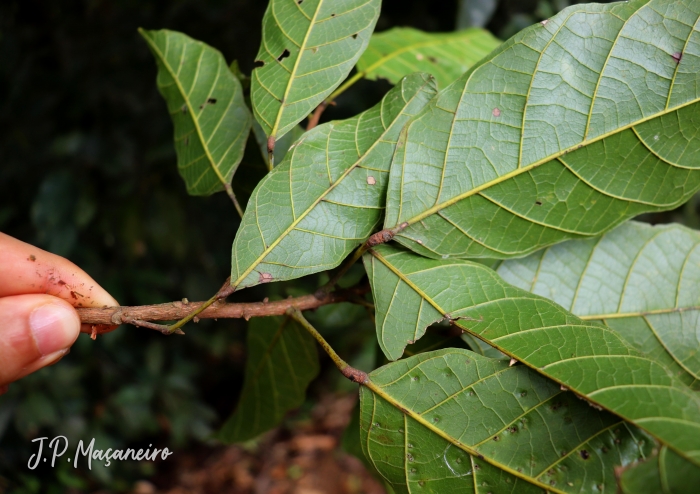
(303, 459)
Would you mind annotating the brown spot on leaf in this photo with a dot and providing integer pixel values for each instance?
(371, 181)
(538, 203)
(265, 278)
(432, 60)
(678, 56)
(354, 36)
(496, 112)
(585, 454)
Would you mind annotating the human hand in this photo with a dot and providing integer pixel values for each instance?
(38, 322)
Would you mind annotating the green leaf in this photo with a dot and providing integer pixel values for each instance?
(206, 103)
(585, 356)
(400, 51)
(328, 195)
(666, 473)
(454, 421)
(281, 146)
(568, 129)
(641, 281)
(282, 361)
(307, 49)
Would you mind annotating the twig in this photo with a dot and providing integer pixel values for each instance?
(270, 153)
(344, 268)
(229, 191)
(313, 121)
(376, 239)
(177, 310)
(348, 371)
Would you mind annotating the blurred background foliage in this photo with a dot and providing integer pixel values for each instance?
(87, 171)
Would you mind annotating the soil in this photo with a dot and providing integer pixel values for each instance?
(302, 458)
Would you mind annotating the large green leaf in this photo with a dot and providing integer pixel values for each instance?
(329, 193)
(308, 47)
(454, 421)
(568, 129)
(400, 51)
(666, 473)
(589, 358)
(282, 361)
(206, 104)
(641, 281)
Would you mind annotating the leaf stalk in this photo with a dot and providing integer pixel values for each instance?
(355, 375)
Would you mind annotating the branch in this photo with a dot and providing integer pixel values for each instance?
(178, 310)
(313, 121)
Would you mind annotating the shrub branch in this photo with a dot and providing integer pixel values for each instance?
(144, 315)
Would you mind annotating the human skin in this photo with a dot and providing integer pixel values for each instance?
(38, 295)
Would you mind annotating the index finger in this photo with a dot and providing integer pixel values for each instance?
(25, 269)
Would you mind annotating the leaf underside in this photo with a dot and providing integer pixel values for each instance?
(641, 281)
(568, 129)
(400, 51)
(328, 195)
(282, 361)
(282, 144)
(666, 473)
(206, 104)
(307, 49)
(453, 421)
(411, 292)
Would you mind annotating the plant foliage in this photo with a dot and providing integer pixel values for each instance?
(585, 327)
(307, 49)
(205, 101)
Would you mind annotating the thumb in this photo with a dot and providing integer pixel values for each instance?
(35, 331)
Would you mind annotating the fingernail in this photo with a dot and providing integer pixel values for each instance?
(54, 327)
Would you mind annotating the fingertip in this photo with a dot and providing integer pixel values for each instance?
(54, 326)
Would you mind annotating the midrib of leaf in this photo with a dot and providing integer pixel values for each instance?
(623, 315)
(492, 342)
(293, 73)
(296, 221)
(185, 96)
(472, 452)
(519, 171)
